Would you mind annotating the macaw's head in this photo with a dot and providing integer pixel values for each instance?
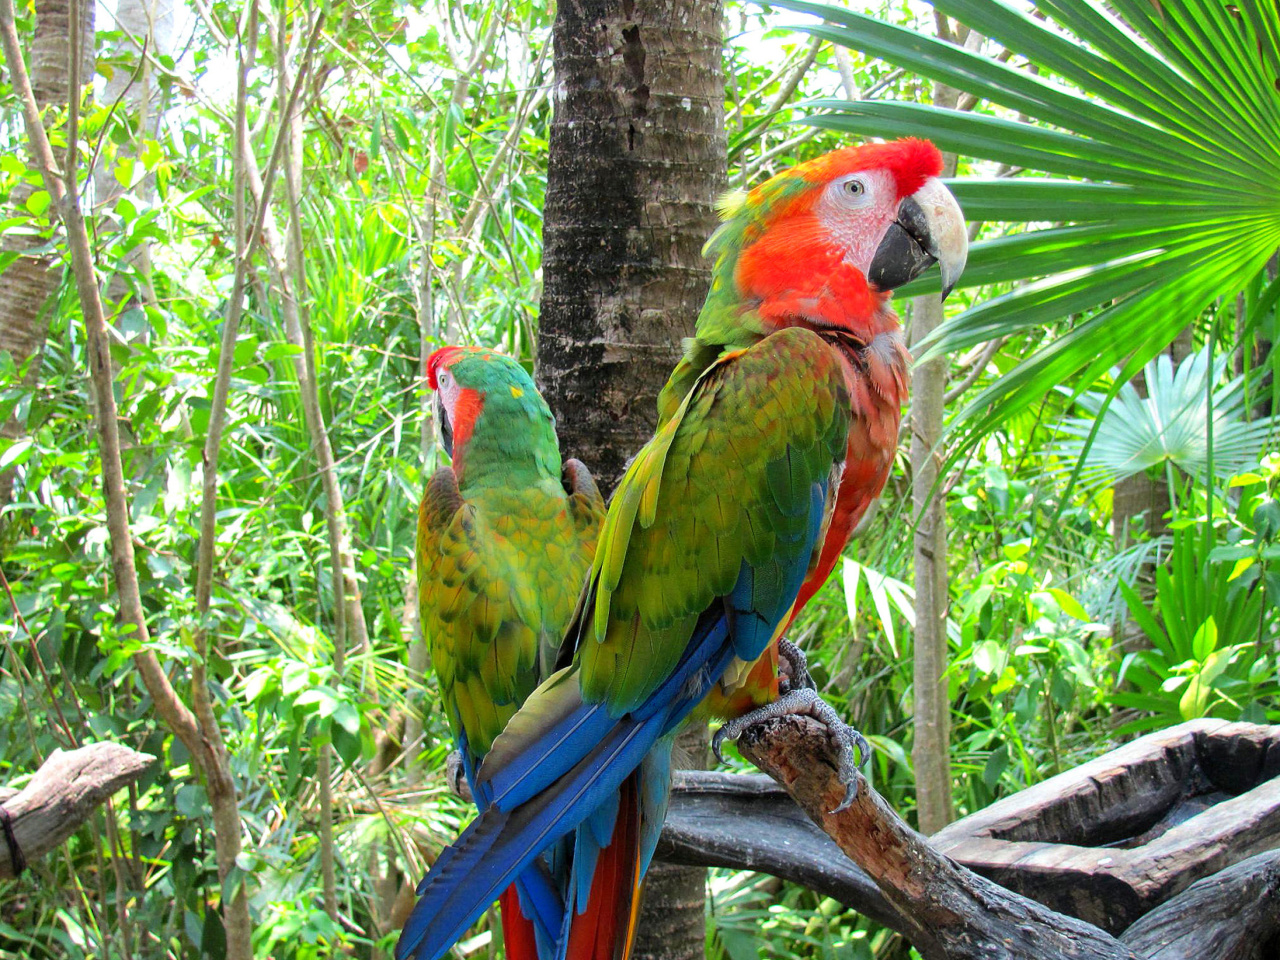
(824, 243)
(489, 414)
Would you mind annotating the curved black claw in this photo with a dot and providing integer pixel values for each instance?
(797, 676)
(717, 739)
(851, 746)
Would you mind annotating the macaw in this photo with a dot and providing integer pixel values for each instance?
(506, 534)
(777, 428)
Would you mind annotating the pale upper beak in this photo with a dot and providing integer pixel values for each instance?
(929, 229)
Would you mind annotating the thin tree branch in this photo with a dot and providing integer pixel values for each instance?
(975, 370)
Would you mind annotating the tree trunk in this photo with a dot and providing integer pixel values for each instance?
(931, 746)
(143, 24)
(28, 283)
(673, 919)
(637, 158)
(930, 749)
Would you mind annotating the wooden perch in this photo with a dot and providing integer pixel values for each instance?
(705, 828)
(1110, 840)
(62, 794)
(945, 910)
(1140, 801)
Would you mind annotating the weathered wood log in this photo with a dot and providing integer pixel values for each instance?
(1232, 915)
(62, 794)
(1110, 840)
(946, 911)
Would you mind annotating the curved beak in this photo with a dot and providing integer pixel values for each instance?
(446, 428)
(929, 229)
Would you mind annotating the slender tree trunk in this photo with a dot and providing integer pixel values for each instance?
(931, 747)
(143, 24)
(930, 750)
(637, 159)
(29, 282)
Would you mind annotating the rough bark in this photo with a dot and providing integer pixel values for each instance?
(62, 795)
(946, 911)
(748, 822)
(1112, 839)
(637, 158)
(29, 282)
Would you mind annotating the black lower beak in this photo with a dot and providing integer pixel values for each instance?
(903, 253)
(446, 428)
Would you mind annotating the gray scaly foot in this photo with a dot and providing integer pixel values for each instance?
(853, 749)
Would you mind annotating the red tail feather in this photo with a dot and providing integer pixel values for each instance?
(517, 929)
(604, 931)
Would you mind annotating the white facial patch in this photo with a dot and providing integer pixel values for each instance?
(857, 219)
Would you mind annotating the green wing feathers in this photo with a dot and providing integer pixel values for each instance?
(498, 578)
(727, 479)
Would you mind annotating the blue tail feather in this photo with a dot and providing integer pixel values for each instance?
(580, 762)
(500, 844)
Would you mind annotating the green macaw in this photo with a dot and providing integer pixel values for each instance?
(505, 537)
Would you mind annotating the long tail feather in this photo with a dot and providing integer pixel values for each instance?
(504, 840)
(498, 845)
(519, 934)
(601, 917)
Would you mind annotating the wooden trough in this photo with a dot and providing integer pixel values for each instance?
(1110, 840)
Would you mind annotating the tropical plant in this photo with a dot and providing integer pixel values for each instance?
(1182, 421)
(1208, 655)
(1140, 162)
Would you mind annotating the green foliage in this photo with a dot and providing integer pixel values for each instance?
(1189, 419)
(1207, 627)
(1166, 196)
(423, 190)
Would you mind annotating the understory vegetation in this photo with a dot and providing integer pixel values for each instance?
(1112, 511)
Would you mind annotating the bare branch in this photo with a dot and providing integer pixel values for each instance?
(975, 370)
(1232, 915)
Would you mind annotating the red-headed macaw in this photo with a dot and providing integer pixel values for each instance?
(778, 427)
(505, 537)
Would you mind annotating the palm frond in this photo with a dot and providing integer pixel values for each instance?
(1169, 425)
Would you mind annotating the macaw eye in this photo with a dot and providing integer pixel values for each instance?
(854, 188)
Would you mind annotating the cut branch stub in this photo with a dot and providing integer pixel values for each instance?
(64, 792)
(705, 828)
(946, 911)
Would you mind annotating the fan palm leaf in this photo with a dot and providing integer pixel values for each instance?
(1168, 425)
(1149, 142)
